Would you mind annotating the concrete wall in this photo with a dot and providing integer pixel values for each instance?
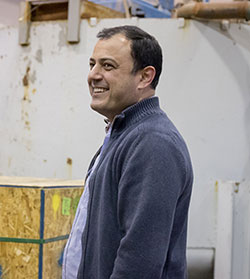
(9, 12)
(48, 130)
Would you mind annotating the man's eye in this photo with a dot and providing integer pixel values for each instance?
(108, 66)
(91, 65)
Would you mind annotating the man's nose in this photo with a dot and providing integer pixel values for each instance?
(95, 73)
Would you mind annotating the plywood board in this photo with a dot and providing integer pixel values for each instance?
(60, 208)
(19, 260)
(36, 216)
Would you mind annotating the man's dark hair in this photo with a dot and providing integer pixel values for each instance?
(145, 50)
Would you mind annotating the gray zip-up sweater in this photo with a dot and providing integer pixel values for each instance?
(139, 199)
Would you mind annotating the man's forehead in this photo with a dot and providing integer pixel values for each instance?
(116, 41)
(119, 37)
(117, 45)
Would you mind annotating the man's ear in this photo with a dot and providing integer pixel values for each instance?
(147, 76)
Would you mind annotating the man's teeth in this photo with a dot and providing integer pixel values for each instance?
(99, 90)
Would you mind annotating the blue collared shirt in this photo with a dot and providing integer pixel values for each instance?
(73, 249)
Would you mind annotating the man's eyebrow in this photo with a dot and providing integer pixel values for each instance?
(102, 60)
(107, 58)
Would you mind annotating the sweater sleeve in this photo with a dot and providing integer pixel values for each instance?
(152, 180)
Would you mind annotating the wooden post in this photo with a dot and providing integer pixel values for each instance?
(24, 23)
(73, 21)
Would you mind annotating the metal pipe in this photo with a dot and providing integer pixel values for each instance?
(225, 10)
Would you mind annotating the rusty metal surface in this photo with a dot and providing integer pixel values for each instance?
(231, 10)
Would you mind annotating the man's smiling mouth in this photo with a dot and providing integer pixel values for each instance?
(99, 89)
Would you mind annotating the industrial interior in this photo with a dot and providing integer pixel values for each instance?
(48, 133)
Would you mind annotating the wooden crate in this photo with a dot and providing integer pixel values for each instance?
(36, 216)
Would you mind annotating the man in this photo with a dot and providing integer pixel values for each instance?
(139, 187)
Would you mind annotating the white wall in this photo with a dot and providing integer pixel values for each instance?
(204, 89)
(9, 12)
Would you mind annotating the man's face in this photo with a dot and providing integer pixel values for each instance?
(112, 85)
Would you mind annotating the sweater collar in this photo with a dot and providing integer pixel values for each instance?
(135, 113)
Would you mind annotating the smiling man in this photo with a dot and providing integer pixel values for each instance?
(113, 84)
(131, 221)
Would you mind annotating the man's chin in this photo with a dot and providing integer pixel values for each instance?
(98, 108)
(94, 106)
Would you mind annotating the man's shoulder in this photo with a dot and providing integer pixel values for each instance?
(157, 124)
(155, 129)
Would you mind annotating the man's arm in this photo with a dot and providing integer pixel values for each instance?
(153, 179)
